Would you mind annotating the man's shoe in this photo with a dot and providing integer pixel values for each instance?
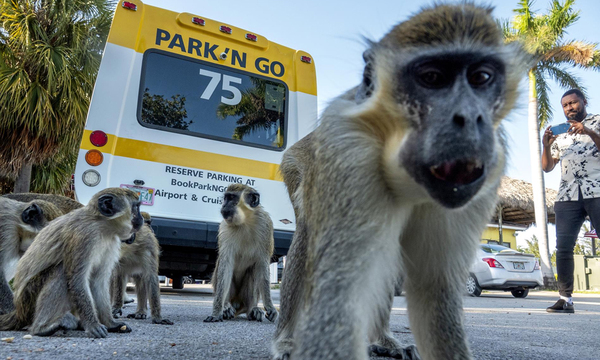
(561, 306)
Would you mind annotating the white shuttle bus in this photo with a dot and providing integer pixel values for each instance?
(183, 106)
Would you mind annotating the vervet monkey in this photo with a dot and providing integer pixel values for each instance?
(19, 224)
(245, 248)
(383, 342)
(401, 177)
(65, 204)
(67, 269)
(139, 260)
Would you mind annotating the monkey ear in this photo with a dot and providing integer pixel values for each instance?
(106, 206)
(32, 215)
(366, 86)
(254, 200)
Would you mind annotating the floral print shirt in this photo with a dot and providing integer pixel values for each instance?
(579, 162)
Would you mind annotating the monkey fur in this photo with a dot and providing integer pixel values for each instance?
(65, 204)
(140, 257)
(246, 245)
(400, 177)
(19, 224)
(140, 261)
(65, 273)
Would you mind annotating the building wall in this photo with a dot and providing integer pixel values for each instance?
(492, 235)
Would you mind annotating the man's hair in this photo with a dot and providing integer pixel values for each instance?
(576, 92)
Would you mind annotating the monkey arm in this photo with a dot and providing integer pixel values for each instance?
(264, 284)
(221, 284)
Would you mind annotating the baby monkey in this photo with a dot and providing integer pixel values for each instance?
(245, 248)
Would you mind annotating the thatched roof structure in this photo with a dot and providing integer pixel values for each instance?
(515, 197)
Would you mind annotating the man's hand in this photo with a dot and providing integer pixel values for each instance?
(548, 138)
(578, 128)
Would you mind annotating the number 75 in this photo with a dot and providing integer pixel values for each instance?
(215, 79)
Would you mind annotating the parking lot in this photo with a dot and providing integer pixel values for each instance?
(499, 327)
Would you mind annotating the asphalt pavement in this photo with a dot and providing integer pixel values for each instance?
(499, 326)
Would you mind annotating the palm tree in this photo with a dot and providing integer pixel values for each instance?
(49, 57)
(542, 35)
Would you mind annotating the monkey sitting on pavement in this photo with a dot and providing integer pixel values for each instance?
(68, 267)
(139, 260)
(401, 177)
(19, 224)
(245, 248)
(140, 256)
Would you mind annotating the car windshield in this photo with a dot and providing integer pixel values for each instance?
(495, 249)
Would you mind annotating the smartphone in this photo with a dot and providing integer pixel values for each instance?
(559, 129)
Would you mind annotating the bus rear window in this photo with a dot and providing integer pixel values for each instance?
(201, 99)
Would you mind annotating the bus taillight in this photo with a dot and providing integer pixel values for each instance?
(98, 138)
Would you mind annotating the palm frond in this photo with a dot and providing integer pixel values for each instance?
(544, 108)
(564, 79)
(576, 53)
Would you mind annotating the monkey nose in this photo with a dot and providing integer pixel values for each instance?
(459, 172)
(227, 214)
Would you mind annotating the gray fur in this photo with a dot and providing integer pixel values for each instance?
(15, 238)
(370, 205)
(139, 260)
(68, 268)
(241, 274)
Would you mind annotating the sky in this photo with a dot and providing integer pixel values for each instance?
(334, 33)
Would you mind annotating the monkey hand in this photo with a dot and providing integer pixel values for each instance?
(214, 319)
(119, 328)
(271, 313)
(96, 330)
(137, 316)
(228, 313)
(160, 321)
(116, 312)
(256, 314)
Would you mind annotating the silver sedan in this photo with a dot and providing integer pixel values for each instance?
(501, 268)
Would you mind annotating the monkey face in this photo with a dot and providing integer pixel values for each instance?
(33, 216)
(237, 205)
(448, 104)
(123, 209)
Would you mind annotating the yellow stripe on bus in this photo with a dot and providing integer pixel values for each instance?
(172, 155)
(151, 27)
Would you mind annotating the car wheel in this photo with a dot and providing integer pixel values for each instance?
(473, 287)
(520, 293)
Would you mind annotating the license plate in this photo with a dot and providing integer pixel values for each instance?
(519, 265)
(146, 194)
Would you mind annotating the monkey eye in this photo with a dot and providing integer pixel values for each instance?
(431, 77)
(228, 197)
(480, 77)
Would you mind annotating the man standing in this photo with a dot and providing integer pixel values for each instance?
(579, 191)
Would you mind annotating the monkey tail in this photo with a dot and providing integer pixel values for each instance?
(10, 321)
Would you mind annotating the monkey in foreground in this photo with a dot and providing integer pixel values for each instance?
(19, 224)
(68, 267)
(382, 342)
(139, 260)
(401, 177)
(245, 248)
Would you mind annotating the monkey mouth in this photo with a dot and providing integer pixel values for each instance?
(458, 172)
(130, 240)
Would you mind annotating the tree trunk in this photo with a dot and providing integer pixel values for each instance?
(539, 189)
(23, 179)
